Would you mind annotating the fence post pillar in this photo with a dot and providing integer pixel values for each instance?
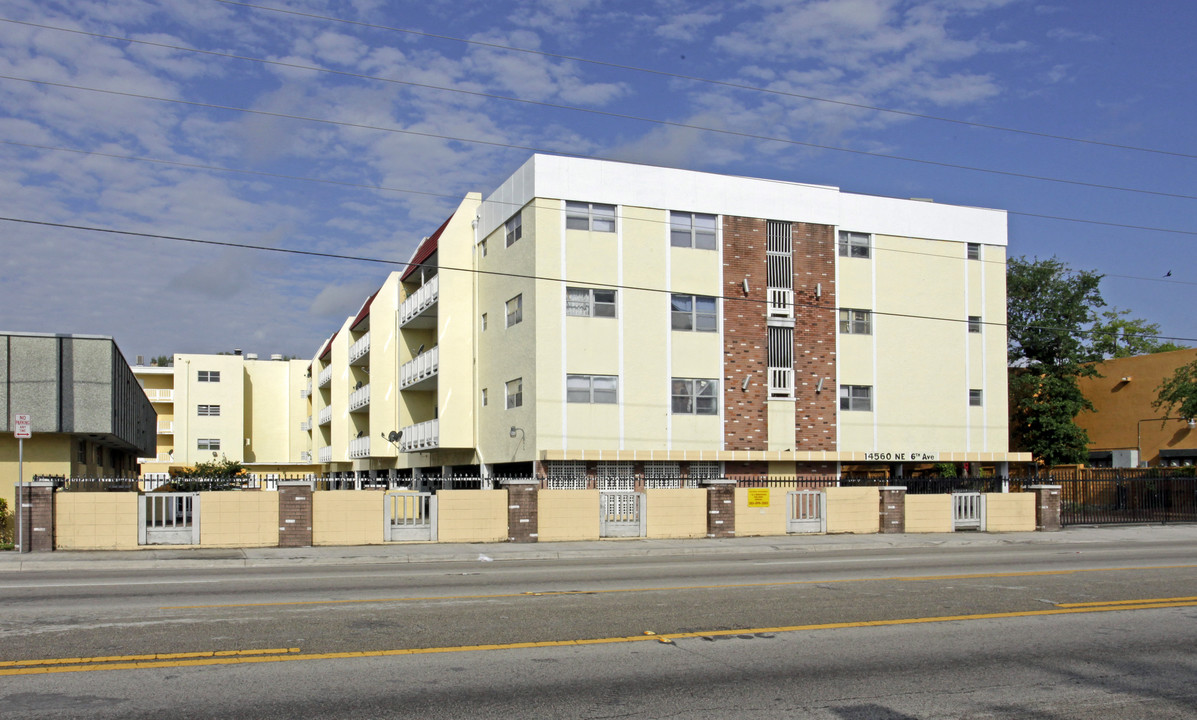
(37, 516)
(523, 509)
(721, 507)
(295, 513)
(1047, 507)
(893, 509)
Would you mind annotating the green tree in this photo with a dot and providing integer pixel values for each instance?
(1118, 336)
(1178, 394)
(216, 469)
(1050, 309)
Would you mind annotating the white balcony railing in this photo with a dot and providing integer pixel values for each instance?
(420, 300)
(160, 395)
(305, 456)
(359, 398)
(781, 382)
(781, 302)
(306, 425)
(422, 366)
(360, 349)
(166, 427)
(306, 391)
(159, 458)
(359, 447)
(324, 454)
(422, 436)
(325, 377)
(325, 416)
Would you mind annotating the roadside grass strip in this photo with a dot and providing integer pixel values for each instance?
(239, 657)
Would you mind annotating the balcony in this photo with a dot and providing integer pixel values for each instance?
(359, 447)
(166, 427)
(781, 302)
(324, 454)
(419, 309)
(160, 396)
(781, 382)
(359, 352)
(359, 399)
(306, 392)
(325, 377)
(419, 373)
(422, 436)
(306, 425)
(325, 416)
(305, 456)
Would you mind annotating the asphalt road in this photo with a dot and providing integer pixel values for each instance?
(1051, 630)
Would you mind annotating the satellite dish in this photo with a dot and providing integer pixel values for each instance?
(394, 436)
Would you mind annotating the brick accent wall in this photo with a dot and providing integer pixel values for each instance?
(523, 511)
(38, 517)
(1047, 507)
(815, 330)
(721, 510)
(893, 509)
(294, 515)
(745, 415)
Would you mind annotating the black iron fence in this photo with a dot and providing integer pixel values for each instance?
(1161, 499)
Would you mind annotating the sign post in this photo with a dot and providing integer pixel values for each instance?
(22, 425)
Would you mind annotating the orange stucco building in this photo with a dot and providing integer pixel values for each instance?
(1124, 430)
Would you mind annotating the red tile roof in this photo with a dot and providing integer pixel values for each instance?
(425, 250)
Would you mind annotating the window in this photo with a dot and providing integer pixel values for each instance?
(82, 452)
(514, 228)
(692, 230)
(856, 397)
(483, 322)
(208, 410)
(483, 397)
(515, 393)
(482, 248)
(974, 251)
(694, 396)
(694, 312)
(856, 322)
(589, 216)
(854, 244)
(592, 389)
(589, 302)
(208, 376)
(515, 310)
(974, 398)
(207, 443)
(974, 323)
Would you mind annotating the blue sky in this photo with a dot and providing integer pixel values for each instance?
(446, 119)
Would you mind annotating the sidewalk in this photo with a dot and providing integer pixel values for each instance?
(176, 558)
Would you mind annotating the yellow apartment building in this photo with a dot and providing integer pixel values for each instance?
(1124, 430)
(620, 321)
(233, 407)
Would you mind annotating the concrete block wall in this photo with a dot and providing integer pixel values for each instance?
(472, 516)
(677, 513)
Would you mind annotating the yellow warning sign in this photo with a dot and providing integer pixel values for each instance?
(758, 497)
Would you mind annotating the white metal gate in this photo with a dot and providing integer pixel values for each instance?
(621, 514)
(806, 511)
(968, 511)
(410, 516)
(168, 519)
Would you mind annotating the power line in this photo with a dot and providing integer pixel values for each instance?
(750, 136)
(709, 81)
(526, 276)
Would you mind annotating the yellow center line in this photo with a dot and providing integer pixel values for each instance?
(154, 656)
(1126, 602)
(38, 667)
(675, 588)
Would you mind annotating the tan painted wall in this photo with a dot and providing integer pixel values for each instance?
(457, 396)
(568, 515)
(238, 519)
(928, 513)
(471, 516)
(676, 513)
(761, 521)
(44, 454)
(384, 371)
(229, 394)
(853, 510)
(1010, 512)
(347, 517)
(95, 521)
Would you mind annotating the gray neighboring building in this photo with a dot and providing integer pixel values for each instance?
(90, 416)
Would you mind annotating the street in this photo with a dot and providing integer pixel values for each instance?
(1047, 630)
